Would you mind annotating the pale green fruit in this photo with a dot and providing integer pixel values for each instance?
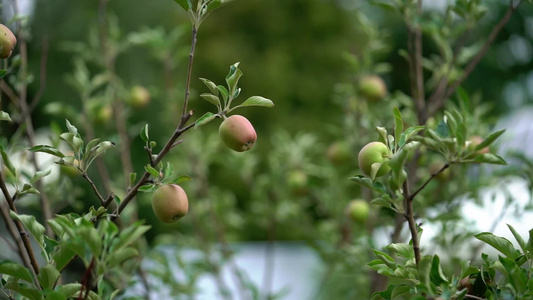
(297, 181)
(7, 41)
(373, 87)
(374, 152)
(170, 203)
(358, 210)
(338, 153)
(139, 97)
(237, 133)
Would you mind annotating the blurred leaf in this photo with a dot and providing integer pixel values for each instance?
(185, 4)
(71, 128)
(62, 256)
(398, 126)
(489, 140)
(499, 243)
(232, 79)
(153, 172)
(119, 256)
(3, 73)
(437, 277)
(402, 249)
(48, 275)
(7, 161)
(148, 187)
(35, 228)
(489, 158)
(214, 4)
(40, 174)
(519, 239)
(383, 134)
(385, 258)
(15, 270)
(180, 179)
(224, 93)
(144, 133)
(129, 235)
(47, 149)
(408, 134)
(30, 292)
(5, 116)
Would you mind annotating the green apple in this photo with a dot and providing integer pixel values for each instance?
(103, 114)
(374, 152)
(237, 133)
(139, 97)
(297, 181)
(170, 203)
(338, 153)
(358, 210)
(373, 87)
(7, 42)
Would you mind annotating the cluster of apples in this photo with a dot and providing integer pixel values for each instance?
(170, 202)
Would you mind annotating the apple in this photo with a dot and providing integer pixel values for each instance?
(338, 153)
(373, 87)
(139, 97)
(473, 142)
(374, 152)
(297, 182)
(237, 133)
(170, 203)
(103, 114)
(358, 210)
(442, 176)
(7, 41)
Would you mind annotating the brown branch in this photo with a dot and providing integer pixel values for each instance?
(25, 238)
(439, 102)
(95, 189)
(4, 210)
(429, 179)
(409, 215)
(182, 127)
(418, 71)
(9, 92)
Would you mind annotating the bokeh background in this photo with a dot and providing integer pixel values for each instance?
(305, 55)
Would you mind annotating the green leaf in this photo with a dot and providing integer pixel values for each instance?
(224, 92)
(148, 187)
(489, 140)
(48, 276)
(13, 269)
(71, 128)
(387, 259)
(7, 161)
(206, 118)
(232, 79)
(408, 133)
(5, 116)
(185, 4)
(257, 101)
(519, 239)
(35, 228)
(47, 149)
(144, 133)
(381, 202)
(153, 172)
(516, 277)
(119, 256)
(451, 123)
(398, 125)
(437, 277)
(62, 256)
(28, 189)
(210, 85)
(211, 98)
(214, 4)
(489, 158)
(402, 249)
(368, 183)
(499, 243)
(28, 291)
(54, 295)
(129, 235)
(382, 134)
(424, 273)
(92, 239)
(39, 175)
(180, 179)
(133, 176)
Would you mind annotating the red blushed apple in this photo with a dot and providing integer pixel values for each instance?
(374, 152)
(237, 133)
(170, 203)
(7, 41)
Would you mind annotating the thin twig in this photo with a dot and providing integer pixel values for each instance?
(95, 189)
(447, 165)
(4, 210)
(20, 228)
(439, 103)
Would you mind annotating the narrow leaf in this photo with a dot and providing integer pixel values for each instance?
(5, 116)
(15, 270)
(211, 98)
(258, 101)
(47, 149)
(206, 118)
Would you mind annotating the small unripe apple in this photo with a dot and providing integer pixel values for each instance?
(473, 142)
(373, 87)
(358, 210)
(374, 152)
(237, 133)
(103, 114)
(338, 153)
(170, 203)
(139, 97)
(7, 41)
(442, 176)
(297, 182)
